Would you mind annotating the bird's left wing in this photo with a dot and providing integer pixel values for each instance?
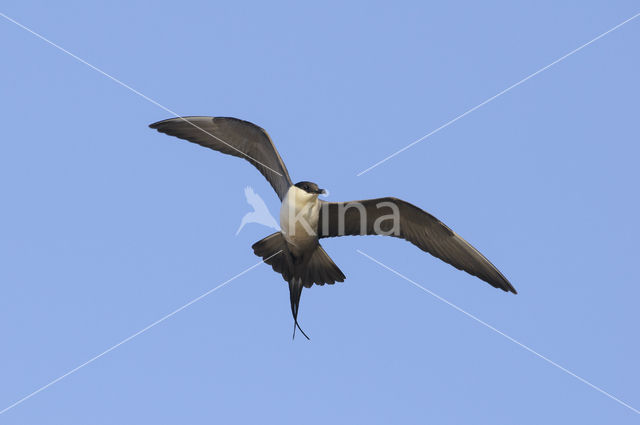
(395, 217)
(233, 137)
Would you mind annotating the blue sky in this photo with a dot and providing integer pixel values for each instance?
(107, 226)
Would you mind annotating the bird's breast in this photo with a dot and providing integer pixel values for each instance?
(299, 218)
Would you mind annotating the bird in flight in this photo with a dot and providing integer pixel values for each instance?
(295, 251)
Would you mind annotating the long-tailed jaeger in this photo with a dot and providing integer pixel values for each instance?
(295, 251)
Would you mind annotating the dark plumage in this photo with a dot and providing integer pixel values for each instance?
(295, 252)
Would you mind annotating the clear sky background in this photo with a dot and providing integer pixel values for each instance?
(106, 225)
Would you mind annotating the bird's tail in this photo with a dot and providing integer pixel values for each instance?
(316, 268)
(271, 245)
(283, 264)
(295, 290)
(320, 269)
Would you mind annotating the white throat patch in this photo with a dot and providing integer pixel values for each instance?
(299, 217)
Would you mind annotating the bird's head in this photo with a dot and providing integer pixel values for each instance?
(310, 188)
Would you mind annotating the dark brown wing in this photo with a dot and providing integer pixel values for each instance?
(233, 137)
(395, 217)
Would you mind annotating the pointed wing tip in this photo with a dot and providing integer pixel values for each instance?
(188, 119)
(509, 288)
(502, 283)
(156, 125)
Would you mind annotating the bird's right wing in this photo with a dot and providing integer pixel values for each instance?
(395, 217)
(233, 137)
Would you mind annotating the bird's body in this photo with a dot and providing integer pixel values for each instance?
(299, 215)
(295, 251)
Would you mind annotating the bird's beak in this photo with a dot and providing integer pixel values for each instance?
(322, 192)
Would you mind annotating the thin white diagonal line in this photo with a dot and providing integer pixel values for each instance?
(447, 124)
(95, 68)
(129, 338)
(482, 322)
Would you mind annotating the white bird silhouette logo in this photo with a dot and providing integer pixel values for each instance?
(260, 213)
